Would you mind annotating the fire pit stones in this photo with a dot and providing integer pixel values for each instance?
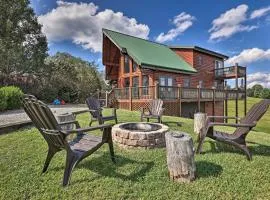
(139, 135)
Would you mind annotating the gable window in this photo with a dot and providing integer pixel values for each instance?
(200, 60)
(186, 82)
(126, 64)
(134, 66)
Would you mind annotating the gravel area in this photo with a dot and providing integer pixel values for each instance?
(14, 116)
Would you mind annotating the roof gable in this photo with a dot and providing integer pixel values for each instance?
(147, 53)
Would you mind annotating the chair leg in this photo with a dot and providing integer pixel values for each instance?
(147, 119)
(110, 142)
(71, 161)
(116, 121)
(91, 121)
(50, 155)
(246, 151)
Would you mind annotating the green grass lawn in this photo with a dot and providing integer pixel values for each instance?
(222, 172)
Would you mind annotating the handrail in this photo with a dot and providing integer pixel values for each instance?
(174, 92)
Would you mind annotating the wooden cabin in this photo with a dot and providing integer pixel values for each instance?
(189, 79)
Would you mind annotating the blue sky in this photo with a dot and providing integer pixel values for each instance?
(239, 29)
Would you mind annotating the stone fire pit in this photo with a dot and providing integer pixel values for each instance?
(139, 135)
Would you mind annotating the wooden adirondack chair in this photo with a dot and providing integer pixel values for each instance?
(236, 139)
(155, 111)
(95, 110)
(80, 147)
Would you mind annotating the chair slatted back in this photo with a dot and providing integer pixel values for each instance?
(156, 106)
(43, 118)
(94, 104)
(55, 137)
(254, 114)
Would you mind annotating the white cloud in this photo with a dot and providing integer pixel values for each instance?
(248, 56)
(229, 23)
(260, 12)
(258, 78)
(82, 24)
(181, 22)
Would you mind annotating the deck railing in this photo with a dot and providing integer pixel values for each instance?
(230, 71)
(173, 93)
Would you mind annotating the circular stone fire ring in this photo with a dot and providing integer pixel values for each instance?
(139, 135)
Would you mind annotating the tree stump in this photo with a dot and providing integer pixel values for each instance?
(199, 121)
(64, 118)
(180, 156)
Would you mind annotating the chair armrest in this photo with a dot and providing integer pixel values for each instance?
(223, 117)
(92, 128)
(70, 122)
(232, 125)
(84, 111)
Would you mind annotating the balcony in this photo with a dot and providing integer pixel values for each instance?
(172, 93)
(230, 72)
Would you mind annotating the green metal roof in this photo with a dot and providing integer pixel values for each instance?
(149, 54)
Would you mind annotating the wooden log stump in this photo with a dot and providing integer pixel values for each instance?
(180, 156)
(199, 121)
(64, 118)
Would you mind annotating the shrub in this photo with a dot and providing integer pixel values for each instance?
(3, 101)
(13, 96)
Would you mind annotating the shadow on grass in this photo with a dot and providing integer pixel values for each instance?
(206, 169)
(124, 168)
(255, 148)
(168, 123)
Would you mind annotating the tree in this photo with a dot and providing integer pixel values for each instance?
(22, 45)
(265, 93)
(257, 90)
(69, 78)
(250, 92)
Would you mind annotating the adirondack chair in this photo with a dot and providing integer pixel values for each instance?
(155, 111)
(96, 112)
(77, 149)
(236, 139)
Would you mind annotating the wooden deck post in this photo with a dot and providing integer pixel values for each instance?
(245, 99)
(214, 102)
(199, 98)
(237, 90)
(226, 102)
(179, 99)
(130, 98)
(156, 90)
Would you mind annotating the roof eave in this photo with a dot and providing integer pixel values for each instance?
(163, 68)
(219, 55)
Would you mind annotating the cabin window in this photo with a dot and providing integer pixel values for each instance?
(134, 66)
(218, 67)
(135, 81)
(126, 82)
(200, 83)
(145, 83)
(218, 84)
(186, 82)
(165, 81)
(126, 65)
(200, 60)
